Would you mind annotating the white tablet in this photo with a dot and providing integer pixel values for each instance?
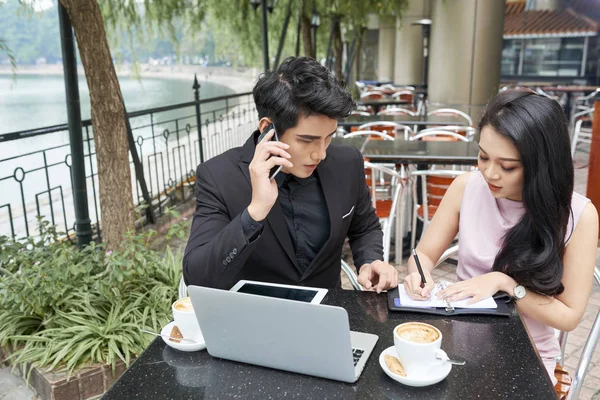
(290, 292)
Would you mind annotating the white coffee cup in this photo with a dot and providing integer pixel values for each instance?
(419, 347)
(185, 318)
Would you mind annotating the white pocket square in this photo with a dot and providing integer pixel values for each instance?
(349, 212)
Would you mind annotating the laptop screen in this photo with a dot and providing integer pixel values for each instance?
(305, 295)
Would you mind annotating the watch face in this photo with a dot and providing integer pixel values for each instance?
(519, 292)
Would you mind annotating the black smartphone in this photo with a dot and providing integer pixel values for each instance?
(275, 170)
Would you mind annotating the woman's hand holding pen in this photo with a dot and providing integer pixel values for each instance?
(412, 285)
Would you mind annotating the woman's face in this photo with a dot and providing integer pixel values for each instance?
(500, 163)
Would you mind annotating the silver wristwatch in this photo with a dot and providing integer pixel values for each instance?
(519, 292)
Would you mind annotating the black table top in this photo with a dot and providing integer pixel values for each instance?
(356, 120)
(414, 152)
(501, 363)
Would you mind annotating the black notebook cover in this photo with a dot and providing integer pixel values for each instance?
(503, 310)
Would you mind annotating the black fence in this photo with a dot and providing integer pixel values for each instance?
(35, 176)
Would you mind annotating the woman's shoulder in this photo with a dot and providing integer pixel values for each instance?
(457, 188)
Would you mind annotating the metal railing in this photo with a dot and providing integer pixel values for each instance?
(37, 181)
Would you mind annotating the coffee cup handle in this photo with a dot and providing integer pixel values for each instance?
(441, 355)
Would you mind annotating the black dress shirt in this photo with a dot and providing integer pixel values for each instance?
(306, 216)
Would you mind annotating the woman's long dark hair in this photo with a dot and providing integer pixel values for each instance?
(532, 250)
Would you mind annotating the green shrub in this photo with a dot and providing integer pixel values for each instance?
(62, 307)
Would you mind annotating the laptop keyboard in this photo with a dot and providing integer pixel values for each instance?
(356, 355)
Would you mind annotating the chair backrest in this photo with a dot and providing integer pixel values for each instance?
(388, 127)
(396, 111)
(466, 131)
(361, 113)
(434, 184)
(373, 95)
(371, 134)
(587, 352)
(583, 99)
(384, 201)
(439, 135)
(403, 94)
(452, 112)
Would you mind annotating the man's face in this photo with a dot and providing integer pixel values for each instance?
(308, 141)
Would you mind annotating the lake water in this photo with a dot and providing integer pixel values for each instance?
(34, 101)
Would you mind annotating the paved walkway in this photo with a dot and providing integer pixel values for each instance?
(14, 388)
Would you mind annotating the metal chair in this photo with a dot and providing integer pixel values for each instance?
(583, 102)
(387, 197)
(452, 112)
(581, 134)
(439, 135)
(372, 95)
(466, 131)
(396, 111)
(388, 127)
(361, 113)
(403, 94)
(434, 184)
(575, 382)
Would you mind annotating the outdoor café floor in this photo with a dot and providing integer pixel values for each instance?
(14, 388)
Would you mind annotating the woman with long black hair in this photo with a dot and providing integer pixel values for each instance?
(521, 227)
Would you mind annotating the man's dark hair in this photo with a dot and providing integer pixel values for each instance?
(300, 86)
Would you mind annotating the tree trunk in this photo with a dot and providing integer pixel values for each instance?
(306, 28)
(338, 51)
(108, 120)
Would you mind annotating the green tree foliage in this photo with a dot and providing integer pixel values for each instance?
(225, 30)
(28, 35)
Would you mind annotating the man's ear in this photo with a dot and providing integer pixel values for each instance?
(263, 123)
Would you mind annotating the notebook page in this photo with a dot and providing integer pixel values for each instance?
(433, 301)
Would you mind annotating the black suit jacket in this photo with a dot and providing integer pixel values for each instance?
(218, 254)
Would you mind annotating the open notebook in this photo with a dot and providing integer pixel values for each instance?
(398, 300)
(433, 301)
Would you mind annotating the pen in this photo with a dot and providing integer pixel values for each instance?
(416, 257)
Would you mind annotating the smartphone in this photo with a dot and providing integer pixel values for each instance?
(275, 170)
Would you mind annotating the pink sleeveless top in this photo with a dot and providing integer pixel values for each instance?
(484, 221)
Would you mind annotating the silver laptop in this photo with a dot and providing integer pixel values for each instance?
(311, 339)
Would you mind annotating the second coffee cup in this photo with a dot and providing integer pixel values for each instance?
(185, 318)
(418, 346)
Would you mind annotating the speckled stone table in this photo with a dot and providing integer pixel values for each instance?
(501, 364)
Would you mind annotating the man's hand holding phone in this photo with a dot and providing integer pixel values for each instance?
(267, 155)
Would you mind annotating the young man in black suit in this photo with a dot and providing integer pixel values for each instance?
(289, 229)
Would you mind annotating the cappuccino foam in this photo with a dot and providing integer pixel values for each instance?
(418, 333)
(184, 305)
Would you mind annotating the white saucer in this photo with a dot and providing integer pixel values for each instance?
(436, 373)
(184, 345)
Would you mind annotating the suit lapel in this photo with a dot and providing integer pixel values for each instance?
(275, 218)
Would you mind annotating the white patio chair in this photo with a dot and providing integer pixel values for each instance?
(439, 135)
(387, 187)
(581, 103)
(434, 184)
(452, 112)
(396, 111)
(581, 134)
(388, 127)
(361, 113)
(466, 131)
(372, 95)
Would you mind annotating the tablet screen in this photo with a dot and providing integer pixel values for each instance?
(306, 295)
